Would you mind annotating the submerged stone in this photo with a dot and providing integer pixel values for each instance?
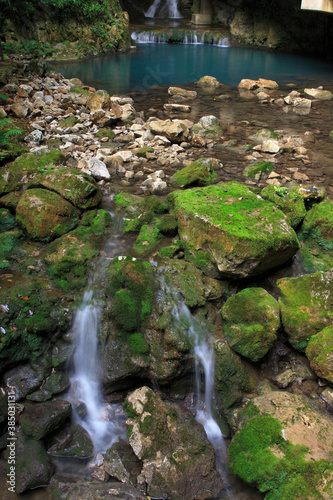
(252, 318)
(233, 230)
(306, 306)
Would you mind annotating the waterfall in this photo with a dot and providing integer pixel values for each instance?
(169, 9)
(205, 360)
(97, 417)
(190, 38)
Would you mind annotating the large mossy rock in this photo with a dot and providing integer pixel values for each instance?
(198, 173)
(228, 229)
(73, 441)
(41, 419)
(69, 257)
(320, 353)
(291, 203)
(25, 167)
(284, 447)
(317, 238)
(306, 305)
(233, 376)
(195, 288)
(130, 285)
(33, 465)
(251, 320)
(75, 186)
(34, 312)
(46, 215)
(178, 460)
(137, 210)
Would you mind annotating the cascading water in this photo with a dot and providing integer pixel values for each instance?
(85, 385)
(190, 38)
(169, 9)
(204, 358)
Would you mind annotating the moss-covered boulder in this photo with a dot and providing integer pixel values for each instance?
(41, 419)
(75, 186)
(233, 376)
(25, 167)
(317, 237)
(32, 312)
(260, 454)
(121, 463)
(228, 228)
(45, 215)
(291, 203)
(178, 460)
(257, 171)
(69, 257)
(33, 467)
(320, 353)
(306, 305)
(147, 240)
(137, 210)
(130, 285)
(198, 173)
(251, 320)
(73, 441)
(191, 283)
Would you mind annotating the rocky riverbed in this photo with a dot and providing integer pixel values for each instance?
(227, 194)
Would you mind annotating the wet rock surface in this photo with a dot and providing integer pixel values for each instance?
(94, 152)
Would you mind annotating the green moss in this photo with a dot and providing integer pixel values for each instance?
(260, 455)
(171, 250)
(105, 132)
(137, 344)
(147, 240)
(68, 122)
(7, 220)
(198, 173)
(291, 203)
(130, 285)
(79, 90)
(142, 152)
(8, 243)
(258, 170)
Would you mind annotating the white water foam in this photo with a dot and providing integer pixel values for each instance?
(169, 9)
(85, 384)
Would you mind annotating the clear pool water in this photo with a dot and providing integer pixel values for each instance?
(178, 64)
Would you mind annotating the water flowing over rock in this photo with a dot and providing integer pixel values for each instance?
(229, 228)
(177, 457)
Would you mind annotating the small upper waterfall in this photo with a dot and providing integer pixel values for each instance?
(97, 417)
(164, 8)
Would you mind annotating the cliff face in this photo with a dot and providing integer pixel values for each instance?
(276, 24)
(92, 32)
